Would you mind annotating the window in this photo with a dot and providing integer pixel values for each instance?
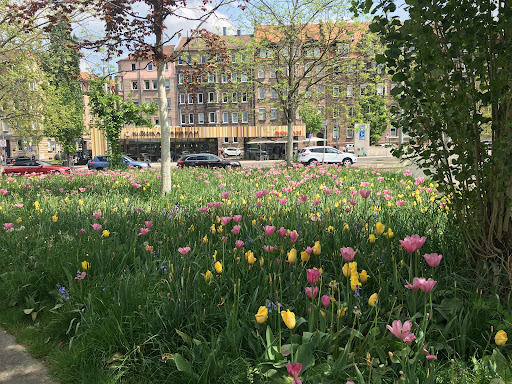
(199, 98)
(243, 58)
(157, 121)
(245, 117)
(317, 52)
(307, 72)
(134, 67)
(183, 119)
(225, 97)
(273, 73)
(380, 69)
(211, 78)
(234, 97)
(343, 49)
(233, 58)
(146, 84)
(167, 66)
(335, 91)
(335, 114)
(263, 53)
(380, 89)
(155, 84)
(273, 93)
(234, 118)
(223, 78)
(261, 114)
(211, 97)
(393, 85)
(168, 103)
(244, 78)
(235, 140)
(392, 132)
(180, 60)
(273, 114)
(244, 97)
(135, 85)
(181, 78)
(362, 88)
(319, 89)
(203, 59)
(156, 102)
(200, 118)
(211, 117)
(350, 133)
(191, 98)
(225, 117)
(233, 78)
(150, 66)
(261, 93)
(191, 118)
(350, 91)
(189, 59)
(167, 84)
(182, 98)
(261, 73)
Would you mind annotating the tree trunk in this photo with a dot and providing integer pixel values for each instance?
(165, 137)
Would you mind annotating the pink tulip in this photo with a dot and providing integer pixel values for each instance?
(283, 201)
(239, 243)
(225, 195)
(309, 250)
(96, 227)
(428, 285)
(421, 283)
(429, 356)
(432, 259)
(148, 224)
(81, 276)
(348, 253)
(353, 192)
(269, 230)
(184, 250)
(209, 205)
(82, 231)
(403, 332)
(316, 202)
(236, 229)
(18, 205)
(143, 231)
(225, 220)
(8, 225)
(258, 204)
(352, 202)
(313, 275)
(269, 248)
(293, 236)
(237, 218)
(364, 193)
(311, 292)
(203, 209)
(282, 231)
(217, 204)
(259, 194)
(412, 243)
(294, 371)
(400, 202)
(97, 215)
(326, 300)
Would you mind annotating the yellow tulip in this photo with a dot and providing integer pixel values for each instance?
(341, 313)
(205, 239)
(500, 338)
(364, 276)
(390, 233)
(292, 256)
(36, 205)
(262, 261)
(317, 248)
(288, 318)
(346, 271)
(220, 229)
(55, 218)
(213, 229)
(250, 257)
(354, 282)
(379, 228)
(345, 226)
(353, 267)
(262, 315)
(207, 276)
(218, 267)
(254, 222)
(85, 265)
(304, 256)
(372, 301)
(372, 238)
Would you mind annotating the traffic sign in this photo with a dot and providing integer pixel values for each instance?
(310, 136)
(361, 132)
(30, 149)
(3, 143)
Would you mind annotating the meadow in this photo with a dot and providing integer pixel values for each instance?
(300, 274)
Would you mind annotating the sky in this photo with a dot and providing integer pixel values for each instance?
(227, 16)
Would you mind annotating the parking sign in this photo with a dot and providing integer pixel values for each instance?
(3, 143)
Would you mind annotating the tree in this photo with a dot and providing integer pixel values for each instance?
(62, 63)
(302, 44)
(312, 117)
(453, 63)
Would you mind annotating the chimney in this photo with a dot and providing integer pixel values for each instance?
(238, 32)
(224, 31)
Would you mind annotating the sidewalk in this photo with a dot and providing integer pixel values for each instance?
(17, 366)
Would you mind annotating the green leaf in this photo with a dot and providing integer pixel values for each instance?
(28, 311)
(182, 364)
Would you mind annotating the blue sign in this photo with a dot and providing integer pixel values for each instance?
(361, 132)
(30, 149)
(310, 136)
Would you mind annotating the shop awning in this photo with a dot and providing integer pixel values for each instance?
(260, 140)
(284, 140)
(313, 140)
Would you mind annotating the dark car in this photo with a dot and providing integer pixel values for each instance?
(17, 159)
(205, 160)
(102, 162)
(35, 166)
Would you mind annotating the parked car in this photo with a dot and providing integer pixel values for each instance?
(348, 148)
(205, 160)
(16, 159)
(101, 162)
(35, 166)
(226, 152)
(325, 154)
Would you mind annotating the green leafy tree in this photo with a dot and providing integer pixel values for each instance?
(112, 113)
(312, 117)
(61, 62)
(453, 63)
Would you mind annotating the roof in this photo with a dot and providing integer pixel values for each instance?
(168, 51)
(231, 41)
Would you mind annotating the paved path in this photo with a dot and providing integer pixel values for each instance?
(17, 366)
